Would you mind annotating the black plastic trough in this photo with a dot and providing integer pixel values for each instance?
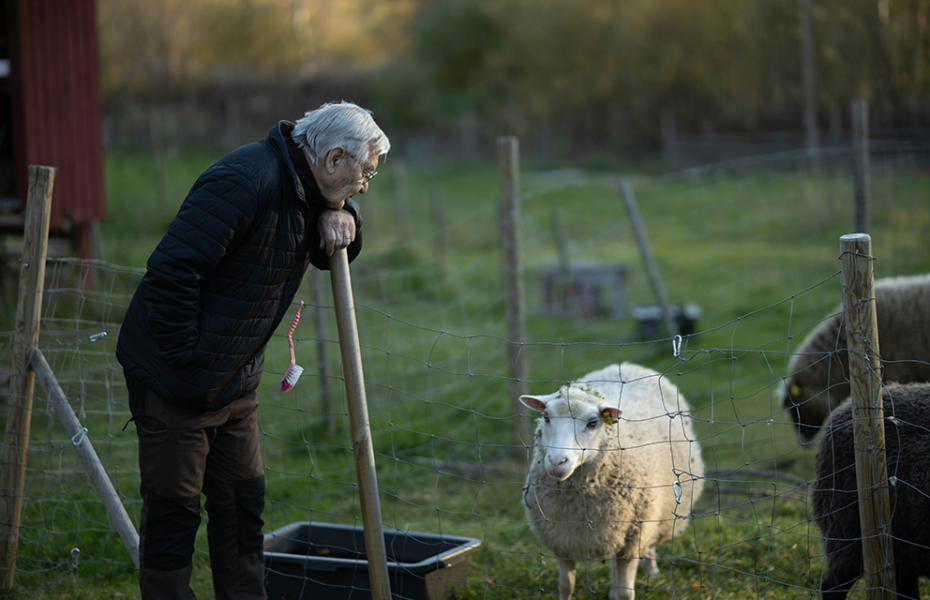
(319, 561)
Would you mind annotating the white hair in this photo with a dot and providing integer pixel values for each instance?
(339, 125)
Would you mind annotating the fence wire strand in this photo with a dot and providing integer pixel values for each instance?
(750, 244)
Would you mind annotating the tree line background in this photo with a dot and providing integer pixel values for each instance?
(596, 74)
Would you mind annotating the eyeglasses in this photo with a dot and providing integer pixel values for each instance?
(369, 175)
(366, 173)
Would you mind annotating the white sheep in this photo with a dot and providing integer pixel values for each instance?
(818, 372)
(615, 469)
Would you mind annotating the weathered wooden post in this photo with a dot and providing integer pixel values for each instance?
(322, 355)
(809, 77)
(361, 429)
(22, 379)
(862, 177)
(437, 211)
(85, 449)
(156, 129)
(565, 264)
(868, 425)
(508, 157)
(669, 139)
(401, 200)
(652, 269)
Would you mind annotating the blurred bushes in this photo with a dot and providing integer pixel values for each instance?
(597, 73)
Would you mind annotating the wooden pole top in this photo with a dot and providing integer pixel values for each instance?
(855, 237)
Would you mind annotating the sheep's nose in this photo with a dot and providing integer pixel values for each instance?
(556, 461)
(559, 466)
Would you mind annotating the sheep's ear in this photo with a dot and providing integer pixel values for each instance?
(610, 414)
(533, 402)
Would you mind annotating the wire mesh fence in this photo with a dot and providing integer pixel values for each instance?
(748, 251)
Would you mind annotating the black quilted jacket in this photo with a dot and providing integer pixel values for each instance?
(223, 277)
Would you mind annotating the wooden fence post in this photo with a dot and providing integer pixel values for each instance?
(566, 291)
(669, 139)
(317, 285)
(860, 140)
(468, 130)
(809, 77)
(439, 231)
(508, 157)
(22, 379)
(156, 128)
(868, 415)
(652, 270)
(401, 201)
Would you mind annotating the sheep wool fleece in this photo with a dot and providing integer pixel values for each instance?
(621, 502)
(835, 491)
(819, 368)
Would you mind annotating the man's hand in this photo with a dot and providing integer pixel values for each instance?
(337, 229)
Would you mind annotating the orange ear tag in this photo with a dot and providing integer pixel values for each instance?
(608, 418)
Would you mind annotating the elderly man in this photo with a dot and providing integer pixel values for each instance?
(193, 341)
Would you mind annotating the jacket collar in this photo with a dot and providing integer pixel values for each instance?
(296, 161)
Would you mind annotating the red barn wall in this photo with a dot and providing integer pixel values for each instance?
(57, 120)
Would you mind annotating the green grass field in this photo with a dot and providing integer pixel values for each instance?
(757, 249)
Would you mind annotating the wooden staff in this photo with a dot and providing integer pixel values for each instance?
(358, 421)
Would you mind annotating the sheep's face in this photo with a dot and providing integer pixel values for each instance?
(807, 411)
(794, 400)
(574, 422)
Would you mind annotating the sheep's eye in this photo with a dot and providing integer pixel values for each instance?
(546, 418)
(592, 424)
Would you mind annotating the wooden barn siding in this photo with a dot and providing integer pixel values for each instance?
(59, 121)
